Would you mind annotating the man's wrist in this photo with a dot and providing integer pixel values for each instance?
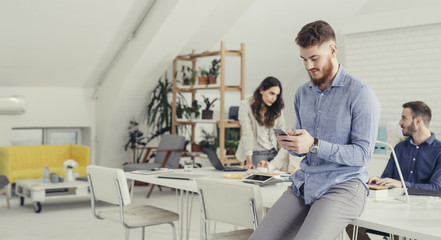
(315, 146)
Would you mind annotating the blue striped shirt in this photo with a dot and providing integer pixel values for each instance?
(345, 119)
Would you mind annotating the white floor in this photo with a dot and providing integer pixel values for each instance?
(73, 219)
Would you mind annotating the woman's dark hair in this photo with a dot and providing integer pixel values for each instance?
(266, 115)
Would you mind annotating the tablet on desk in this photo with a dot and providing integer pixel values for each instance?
(261, 179)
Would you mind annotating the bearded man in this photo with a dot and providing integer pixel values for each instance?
(419, 155)
(336, 128)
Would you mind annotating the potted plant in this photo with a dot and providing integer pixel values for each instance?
(213, 72)
(192, 112)
(158, 111)
(203, 78)
(188, 75)
(209, 140)
(195, 147)
(233, 142)
(136, 140)
(207, 113)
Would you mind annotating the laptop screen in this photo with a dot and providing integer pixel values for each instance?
(214, 159)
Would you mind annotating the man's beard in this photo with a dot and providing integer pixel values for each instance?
(411, 129)
(327, 71)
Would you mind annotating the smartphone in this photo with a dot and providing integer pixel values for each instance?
(280, 132)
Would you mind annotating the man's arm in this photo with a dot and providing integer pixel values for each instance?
(365, 115)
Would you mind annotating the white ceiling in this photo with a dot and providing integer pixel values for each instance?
(60, 43)
(48, 43)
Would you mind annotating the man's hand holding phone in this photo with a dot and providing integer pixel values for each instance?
(298, 141)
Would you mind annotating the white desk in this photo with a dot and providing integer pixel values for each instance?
(420, 219)
(415, 220)
(270, 193)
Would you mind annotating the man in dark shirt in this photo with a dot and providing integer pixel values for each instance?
(419, 155)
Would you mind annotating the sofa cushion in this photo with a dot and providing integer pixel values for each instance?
(27, 162)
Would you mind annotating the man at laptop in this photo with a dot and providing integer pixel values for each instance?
(419, 155)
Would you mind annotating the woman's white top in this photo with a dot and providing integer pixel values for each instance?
(254, 136)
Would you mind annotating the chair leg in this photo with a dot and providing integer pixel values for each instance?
(143, 233)
(127, 233)
(5, 190)
(174, 230)
(7, 199)
(151, 190)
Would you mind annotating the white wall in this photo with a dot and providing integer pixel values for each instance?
(400, 61)
(269, 28)
(49, 107)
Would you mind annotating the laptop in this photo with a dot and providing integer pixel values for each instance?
(215, 161)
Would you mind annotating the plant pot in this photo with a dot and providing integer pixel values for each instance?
(196, 148)
(207, 114)
(212, 79)
(186, 82)
(203, 80)
(230, 152)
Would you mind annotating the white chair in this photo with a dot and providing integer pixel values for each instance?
(235, 203)
(109, 185)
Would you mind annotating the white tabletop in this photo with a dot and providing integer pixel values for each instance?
(270, 193)
(420, 219)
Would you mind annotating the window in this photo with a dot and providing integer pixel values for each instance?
(42, 136)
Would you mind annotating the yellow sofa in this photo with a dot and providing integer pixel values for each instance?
(27, 162)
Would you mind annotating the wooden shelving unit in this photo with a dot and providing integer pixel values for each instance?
(221, 87)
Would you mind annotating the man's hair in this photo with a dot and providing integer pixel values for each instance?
(314, 34)
(420, 109)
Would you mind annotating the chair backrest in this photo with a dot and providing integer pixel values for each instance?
(230, 202)
(107, 184)
(170, 141)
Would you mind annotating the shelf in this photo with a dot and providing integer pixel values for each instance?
(192, 56)
(208, 87)
(220, 86)
(227, 123)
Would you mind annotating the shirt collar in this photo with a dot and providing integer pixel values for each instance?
(429, 141)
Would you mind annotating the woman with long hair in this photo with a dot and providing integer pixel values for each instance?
(258, 115)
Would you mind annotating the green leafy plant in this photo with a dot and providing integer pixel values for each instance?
(193, 110)
(208, 104)
(188, 75)
(158, 111)
(203, 72)
(232, 144)
(214, 69)
(136, 140)
(209, 140)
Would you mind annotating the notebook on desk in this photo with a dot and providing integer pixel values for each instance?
(424, 192)
(216, 162)
(377, 187)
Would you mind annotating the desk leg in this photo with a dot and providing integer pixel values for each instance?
(185, 207)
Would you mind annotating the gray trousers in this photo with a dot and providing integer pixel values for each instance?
(324, 219)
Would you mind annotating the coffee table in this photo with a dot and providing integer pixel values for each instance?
(38, 191)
